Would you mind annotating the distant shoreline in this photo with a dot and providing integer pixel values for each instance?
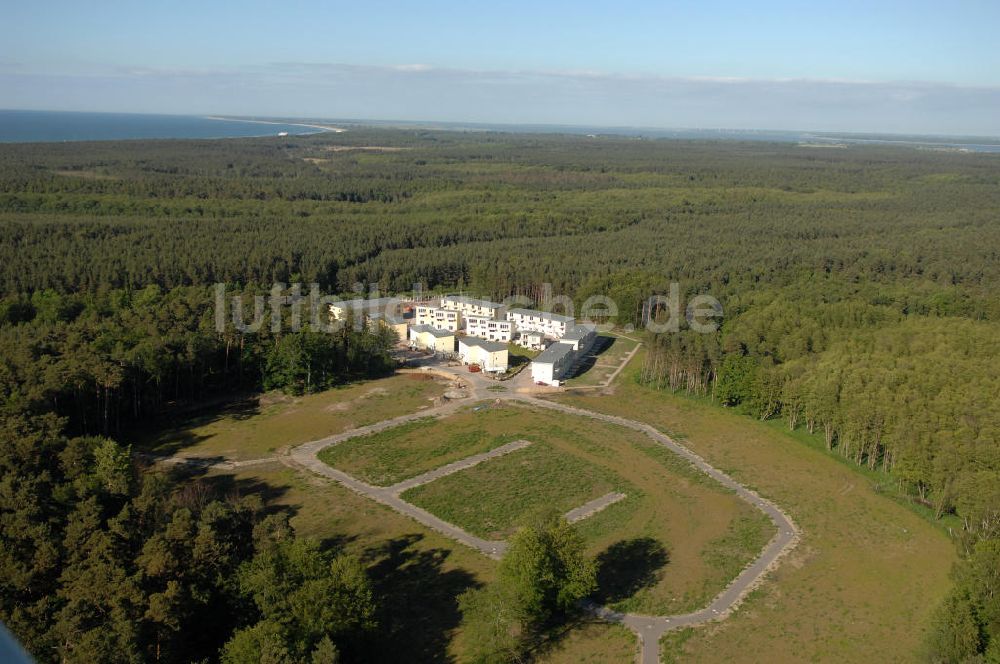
(21, 127)
(321, 128)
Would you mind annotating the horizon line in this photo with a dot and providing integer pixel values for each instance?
(442, 125)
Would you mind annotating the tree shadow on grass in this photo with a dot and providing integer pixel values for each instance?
(198, 485)
(419, 601)
(172, 430)
(628, 566)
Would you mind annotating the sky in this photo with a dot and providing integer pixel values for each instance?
(878, 65)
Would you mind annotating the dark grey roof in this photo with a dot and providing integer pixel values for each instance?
(553, 353)
(579, 331)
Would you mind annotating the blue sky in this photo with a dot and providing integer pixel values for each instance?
(927, 67)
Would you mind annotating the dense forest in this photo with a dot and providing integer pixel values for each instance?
(859, 289)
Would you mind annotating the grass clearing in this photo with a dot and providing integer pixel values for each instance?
(260, 426)
(653, 545)
(492, 499)
(864, 580)
(592, 642)
(402, 452)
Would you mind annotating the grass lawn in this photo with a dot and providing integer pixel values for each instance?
(396, 454)
(258, 427)
(494, 498)
(658, 549)
(861, 585)
(524, 354)
(591, 642)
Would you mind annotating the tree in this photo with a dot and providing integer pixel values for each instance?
(737, 377)
(493, 624)
(303, 596)
(542, 577)
(546, 568)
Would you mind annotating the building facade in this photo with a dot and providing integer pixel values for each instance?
(470, 306)
(489, 328)
(378, 322)
(442, 319)
(531, 340)
(432, 339)
(548, 324)
(553, 364)
(491, 356)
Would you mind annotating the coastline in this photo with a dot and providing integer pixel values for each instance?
(321, 128)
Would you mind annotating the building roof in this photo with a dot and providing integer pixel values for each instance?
(578, 331)
(362, 304)
(553, 353)
(387, 317)
(489, 346)
(433, 331)
(544, 315)
(462, 299)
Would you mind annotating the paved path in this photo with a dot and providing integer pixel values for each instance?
(461, 464)
(648, 628)
(305, 456)
(593, 507)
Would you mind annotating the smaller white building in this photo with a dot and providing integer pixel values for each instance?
(488, 328)
(531, 340)
(491, 356)
(432, 338)
(552, 364)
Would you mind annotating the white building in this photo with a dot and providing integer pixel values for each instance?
(470, 306)
(488, 328)
(531, 340)
(443, 319)
(387, 306)
(548, 324)
(489, 355)
(431, 338)
(552, 364)
(580, 337)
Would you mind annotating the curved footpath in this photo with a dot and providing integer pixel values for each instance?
(648, 628)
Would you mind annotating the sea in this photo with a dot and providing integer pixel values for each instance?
(58, 126)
